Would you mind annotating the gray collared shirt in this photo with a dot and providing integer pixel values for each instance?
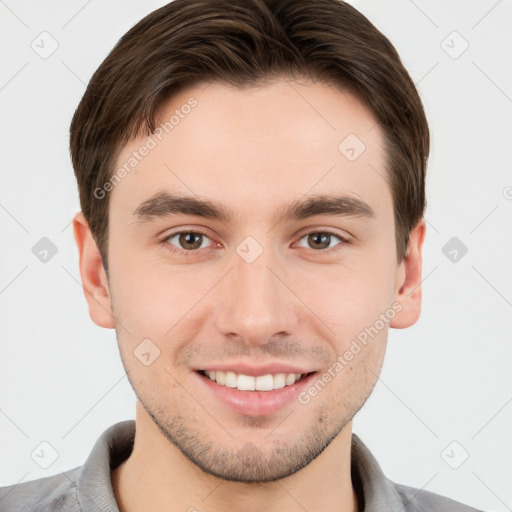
(88, 488)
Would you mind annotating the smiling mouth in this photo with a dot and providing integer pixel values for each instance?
(268, 382)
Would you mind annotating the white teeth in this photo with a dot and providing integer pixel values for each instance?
(220, 377)
(290, 378)
(230, 379)
(245, 382)
(279, 380)
(264, 382)
(249, 383)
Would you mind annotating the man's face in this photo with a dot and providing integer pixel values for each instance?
(251, 293)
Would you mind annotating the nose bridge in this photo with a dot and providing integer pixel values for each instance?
(254, 303)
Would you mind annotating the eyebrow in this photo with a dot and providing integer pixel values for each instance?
(164, 204)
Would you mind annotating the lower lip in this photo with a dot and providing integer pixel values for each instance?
(256, 403)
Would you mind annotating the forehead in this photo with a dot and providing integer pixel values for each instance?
(257, 147)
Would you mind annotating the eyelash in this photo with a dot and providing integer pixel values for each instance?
(183, 252)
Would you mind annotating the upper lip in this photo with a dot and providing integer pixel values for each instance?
(256, 370)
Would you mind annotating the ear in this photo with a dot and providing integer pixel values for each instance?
(408, 284)
(94, 279)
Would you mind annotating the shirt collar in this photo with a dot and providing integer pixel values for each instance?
(94, 486)
(374, 489)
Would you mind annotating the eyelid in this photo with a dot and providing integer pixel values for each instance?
(197, 231)
(344, 240)
(200, 231)
(345, 236)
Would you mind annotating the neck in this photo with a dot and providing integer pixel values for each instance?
(157, 476)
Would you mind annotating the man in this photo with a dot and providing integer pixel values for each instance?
(251, 177)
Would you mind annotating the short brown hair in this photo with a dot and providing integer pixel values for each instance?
(242, 43)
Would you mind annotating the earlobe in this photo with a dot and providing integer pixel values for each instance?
(408, 286)
(92, 273)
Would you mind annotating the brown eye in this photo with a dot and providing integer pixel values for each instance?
(189, 241)
(321, 240)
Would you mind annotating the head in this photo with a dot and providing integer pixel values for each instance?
(252, 184)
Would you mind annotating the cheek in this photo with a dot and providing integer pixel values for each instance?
(151, 298)
(346, 297)
(151, 295)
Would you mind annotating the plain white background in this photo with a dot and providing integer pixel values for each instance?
(445, 391)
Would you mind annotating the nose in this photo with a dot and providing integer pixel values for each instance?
(255, 302)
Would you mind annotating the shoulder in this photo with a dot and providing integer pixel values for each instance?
(419, 500)
(378, 492)
(87, 486)
(56, 493)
